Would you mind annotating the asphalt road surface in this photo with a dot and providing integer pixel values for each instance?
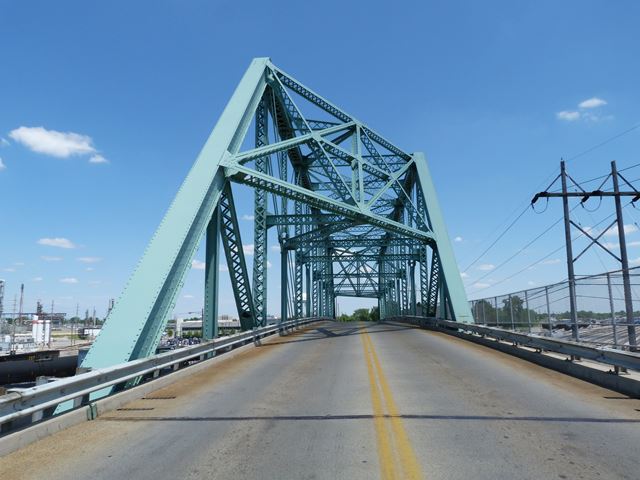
(354, 401)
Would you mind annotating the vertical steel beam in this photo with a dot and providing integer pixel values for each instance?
(233, 250)
(403, 291)
(309, 312)
(435, 283)
(424, 281)
(260, 216)
(211, 278)
(298, 281)
(331, 298)
(284, 284)
(412, 279)
(315, 285)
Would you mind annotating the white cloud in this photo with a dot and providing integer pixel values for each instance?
(223, 268)
(95, 282)
(19, 264)
(583, 113)
(4, 142)
(551, 261)
(89, 269)
(592, 102)
(57, 242)
(481, 285)
(592, 117)
(464, 275)
(568, 116)
(9, 269)
(89, 259)
(613, 245)
(2, 165)
(97, 158)
(275, 248)
(485, 267)
(198, 265)
(628, 228)
(47, 258)
(269, 264)
(69, 280)
(36, 279)
(458, 239)
(52, 142)
(188, 295)
(531, 283)
(248, 249)
(249, 218)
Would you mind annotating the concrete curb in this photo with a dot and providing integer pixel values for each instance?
(611, 381)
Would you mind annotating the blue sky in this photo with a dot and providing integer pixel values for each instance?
(491, 91)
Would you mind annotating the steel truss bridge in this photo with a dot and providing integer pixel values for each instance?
(355, 216)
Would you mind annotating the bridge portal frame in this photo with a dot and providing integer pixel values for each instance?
(353, 192)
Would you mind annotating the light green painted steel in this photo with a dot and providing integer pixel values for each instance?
(448, 265)
(356, 207)
(211, 278)
(248, 176)
(135, 324)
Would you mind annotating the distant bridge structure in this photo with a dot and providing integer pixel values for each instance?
(355, 216)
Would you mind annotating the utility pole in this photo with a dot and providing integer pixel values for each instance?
(594, 237)
(624, 260)
(569, 248)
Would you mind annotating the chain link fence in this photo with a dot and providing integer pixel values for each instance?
(546, 310)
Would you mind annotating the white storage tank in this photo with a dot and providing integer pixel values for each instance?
(40, 330)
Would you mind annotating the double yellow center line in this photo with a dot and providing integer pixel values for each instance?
(395, 453)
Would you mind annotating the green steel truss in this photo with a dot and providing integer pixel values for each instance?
(353, 214)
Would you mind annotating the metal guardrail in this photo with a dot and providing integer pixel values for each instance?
(609, 356)
(41, 401)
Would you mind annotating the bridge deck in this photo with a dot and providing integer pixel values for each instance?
(313, 405)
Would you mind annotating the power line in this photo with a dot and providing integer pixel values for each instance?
(550, 227)
(540, 260)
(604, 142)
(574, 157)
(504, 232)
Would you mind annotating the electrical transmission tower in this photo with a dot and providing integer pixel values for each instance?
(594, 237)
(354, 215)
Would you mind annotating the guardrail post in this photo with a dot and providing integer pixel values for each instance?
(526, 300)
(513, 325)
(81, 401)
(497, 313)
(6, 427)
(546, 293)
